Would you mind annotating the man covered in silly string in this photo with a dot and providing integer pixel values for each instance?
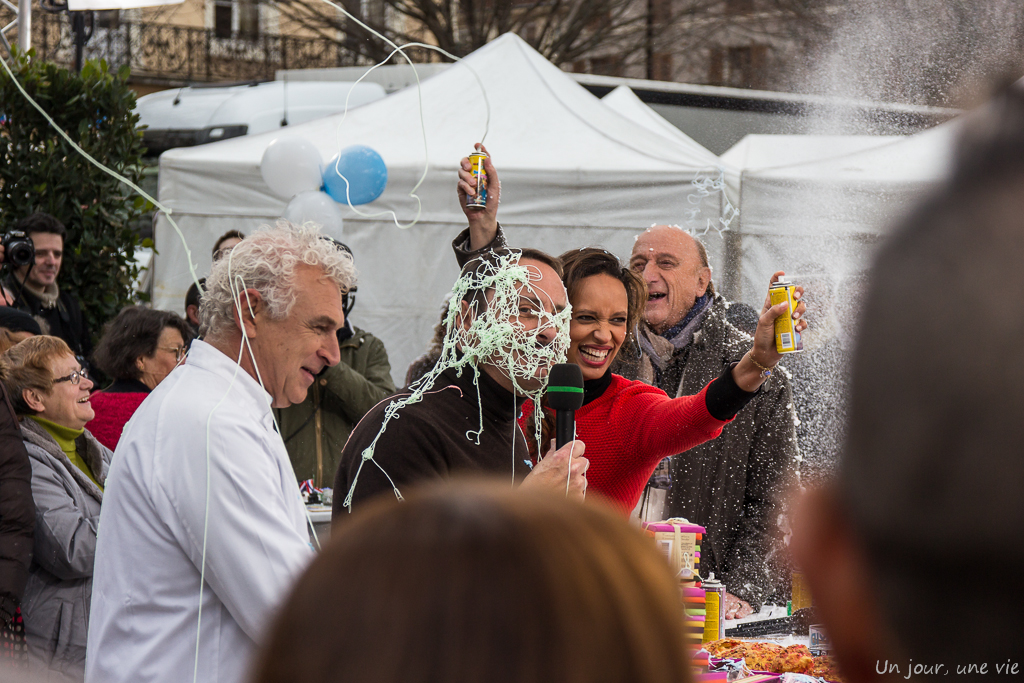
(508, 322)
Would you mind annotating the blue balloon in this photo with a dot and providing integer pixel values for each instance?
(364, 170)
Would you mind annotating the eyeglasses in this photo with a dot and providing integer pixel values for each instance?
(75, 377)
(179, 351)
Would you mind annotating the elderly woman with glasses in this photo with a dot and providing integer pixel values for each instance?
(139, 349)
(50, 392)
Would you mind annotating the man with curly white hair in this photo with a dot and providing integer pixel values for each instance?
(203, 525)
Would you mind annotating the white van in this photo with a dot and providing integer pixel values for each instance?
(195, 115)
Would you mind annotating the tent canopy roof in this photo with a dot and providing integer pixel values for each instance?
(538, 119)
(913, 159)
(760, 152)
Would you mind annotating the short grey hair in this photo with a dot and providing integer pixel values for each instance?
(266, 261)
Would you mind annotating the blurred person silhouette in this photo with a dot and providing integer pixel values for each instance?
(192, 301)
(930, 475)
(138, 350)
(17, 523)
(50, 392)
(478, 583)
(18, 324)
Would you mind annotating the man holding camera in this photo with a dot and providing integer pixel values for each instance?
(316, 430)
(33, 285)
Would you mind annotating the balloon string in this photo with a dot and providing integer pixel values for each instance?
(109, 171)
(399, 49)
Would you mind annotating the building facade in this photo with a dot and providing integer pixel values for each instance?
(197, 41)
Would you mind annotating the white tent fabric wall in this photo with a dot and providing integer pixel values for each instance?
(820, 203)
(816, 207)
(573, 172)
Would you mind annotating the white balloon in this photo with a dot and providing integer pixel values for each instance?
(316, 207)
(290, 166)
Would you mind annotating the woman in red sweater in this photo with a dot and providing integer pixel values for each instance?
(139, 349)
(629, 426)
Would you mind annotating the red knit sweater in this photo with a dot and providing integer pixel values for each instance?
(629, 429)
(113, 410)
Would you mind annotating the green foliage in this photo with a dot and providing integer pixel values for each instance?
(40, 171)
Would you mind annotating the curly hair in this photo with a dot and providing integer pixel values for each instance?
(267, 262)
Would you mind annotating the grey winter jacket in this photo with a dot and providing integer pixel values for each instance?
(56, 602)
(732, 485)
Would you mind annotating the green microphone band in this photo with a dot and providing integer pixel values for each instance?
(566, 390)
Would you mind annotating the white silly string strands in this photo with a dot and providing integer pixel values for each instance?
(705, 186)
(496, 335)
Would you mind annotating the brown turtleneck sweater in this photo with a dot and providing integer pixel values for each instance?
(427, 441)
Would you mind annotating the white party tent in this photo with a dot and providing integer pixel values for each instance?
(573, 171)
(816, 205)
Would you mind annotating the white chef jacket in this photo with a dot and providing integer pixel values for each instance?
(207, 417)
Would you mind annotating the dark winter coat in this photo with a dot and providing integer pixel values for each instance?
(733, 484)
(434, 440)
(63, 319)
(17, 511)
(56, 603)
(316, 430)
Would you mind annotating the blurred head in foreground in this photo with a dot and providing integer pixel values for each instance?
(479, 583)
(927, 514)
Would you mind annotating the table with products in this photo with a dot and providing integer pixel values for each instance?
(768, 646)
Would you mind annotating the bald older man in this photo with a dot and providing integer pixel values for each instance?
(732, 484)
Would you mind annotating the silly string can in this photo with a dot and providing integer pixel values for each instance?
(479, 200)
(714, 609)
(787, 339)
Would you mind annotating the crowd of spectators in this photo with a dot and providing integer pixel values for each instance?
(205, 570)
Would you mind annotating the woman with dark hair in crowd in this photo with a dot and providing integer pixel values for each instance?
(139, 349)
(478, 583)
(50, 392)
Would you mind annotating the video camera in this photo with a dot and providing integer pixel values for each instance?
(18, 249)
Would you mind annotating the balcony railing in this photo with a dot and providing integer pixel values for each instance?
(177, 55)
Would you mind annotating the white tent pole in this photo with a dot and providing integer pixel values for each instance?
(24, 25)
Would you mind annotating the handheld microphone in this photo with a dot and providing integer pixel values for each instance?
(565, 396)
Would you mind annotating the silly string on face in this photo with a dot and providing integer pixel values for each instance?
(500, 329)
